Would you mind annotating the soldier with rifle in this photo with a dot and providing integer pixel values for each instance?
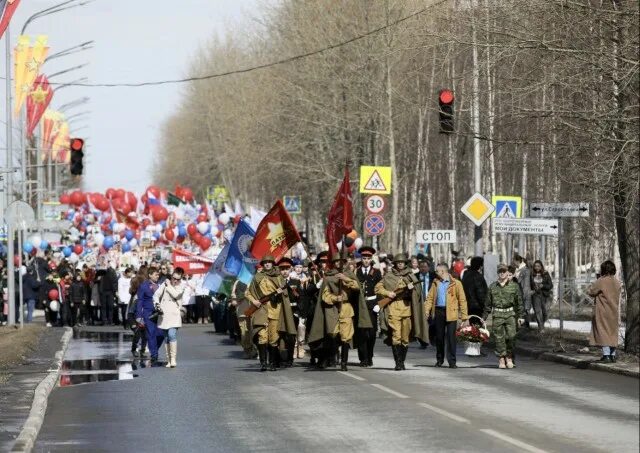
(401, 310)
(271, 312)
(340, 309)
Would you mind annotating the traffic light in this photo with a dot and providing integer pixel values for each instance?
(77, 154)
(445, 99)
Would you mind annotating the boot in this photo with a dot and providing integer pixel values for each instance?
(168, 351)
(403, 353)
(502, 364)
(262, 354)
(331, 352)
(173, 347)
(344, 356)
(273, 351)
(396, 356)
(509, 362)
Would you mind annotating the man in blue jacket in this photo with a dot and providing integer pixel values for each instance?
(144, 308)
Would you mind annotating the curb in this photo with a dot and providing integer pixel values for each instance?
(27, 438)
(578, 363)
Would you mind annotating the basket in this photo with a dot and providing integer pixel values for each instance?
(473, 348)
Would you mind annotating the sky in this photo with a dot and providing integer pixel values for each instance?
(135, 40)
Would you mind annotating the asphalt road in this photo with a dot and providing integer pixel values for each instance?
(216, 401)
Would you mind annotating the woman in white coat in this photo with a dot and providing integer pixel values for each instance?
(168, 298)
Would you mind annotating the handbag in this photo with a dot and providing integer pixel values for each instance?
(157, 312)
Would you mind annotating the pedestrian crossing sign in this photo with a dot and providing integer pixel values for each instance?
(507, 206)
(375, 179)
(293, 204)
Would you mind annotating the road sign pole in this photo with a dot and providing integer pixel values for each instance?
(561, 253)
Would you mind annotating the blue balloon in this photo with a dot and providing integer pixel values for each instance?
(156, 235)
(180, 223)
(27, 247)
(83, 242)
(66, 251)
(108, 242)
(43, 245)
(112, 223)
(126, 247)
(163, 224)
(129, 235)
(182, 231)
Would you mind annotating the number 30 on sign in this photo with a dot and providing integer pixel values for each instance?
(374, 204)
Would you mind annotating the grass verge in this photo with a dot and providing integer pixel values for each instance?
(16, 345)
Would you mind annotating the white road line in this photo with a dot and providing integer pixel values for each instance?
(388, 390)
(445, 413)
(353, 376)
(512, 441)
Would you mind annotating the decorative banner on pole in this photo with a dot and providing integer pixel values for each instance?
(37, 102)
(27, 63)
(375, 180)
(60, 150)
(477, 209)
(7, 8)
(507, 206)
(49, 129)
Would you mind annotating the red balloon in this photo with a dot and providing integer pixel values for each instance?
(120, 193)
(110, 193)
(102, 204)
(53, 294)
(197, 238)
(65, 198)
(131, 199)
(187, 194)
(180, 239)
(202, 217)
(77, 198)
(169, 234)
(155, 190)
(205, 243)
(159, 213)
(219, 234)
(192, 229)
(77, 249)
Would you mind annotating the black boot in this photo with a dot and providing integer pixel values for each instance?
(331, 352)
(273, 351)
(396, 356)
(403, 353)
(344, 356)
(262, 353)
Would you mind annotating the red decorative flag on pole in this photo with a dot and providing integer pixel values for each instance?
(275, 235)
(340, 219)
(7, 8)
(37, 102)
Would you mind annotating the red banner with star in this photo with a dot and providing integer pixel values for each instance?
(37, 102)
(7, 8)
(275, 235)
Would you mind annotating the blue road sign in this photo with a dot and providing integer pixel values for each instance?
(293, 204)
(374, 224)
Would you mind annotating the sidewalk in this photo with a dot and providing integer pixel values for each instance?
(17, 393)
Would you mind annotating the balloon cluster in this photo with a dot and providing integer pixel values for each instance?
(352, 242)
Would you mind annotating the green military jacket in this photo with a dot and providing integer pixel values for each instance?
(326, 316)
(503, 298)
(419, 326)
(260, 318)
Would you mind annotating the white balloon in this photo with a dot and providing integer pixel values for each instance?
(74, 238)
(123, 239)
(224, 218)
(54, 305)
(36, 241)
(150, 228)
(158, 228)
(358, 243)
(73, 258)
(339, 245)
(228, 234)
(133, 242)
(99, 239)
(203, 227)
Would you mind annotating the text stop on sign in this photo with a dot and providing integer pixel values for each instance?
(436, 236)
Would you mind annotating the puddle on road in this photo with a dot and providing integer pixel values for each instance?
(102, 336)
(67, 380)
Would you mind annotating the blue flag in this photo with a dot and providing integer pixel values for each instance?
(239, 262)
(216, 275)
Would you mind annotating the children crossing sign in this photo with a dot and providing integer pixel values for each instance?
(507, 206)
(293, 204)
(375, 180)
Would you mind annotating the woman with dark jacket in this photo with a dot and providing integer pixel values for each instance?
(541, 286)
(30, 287)
(78, 298)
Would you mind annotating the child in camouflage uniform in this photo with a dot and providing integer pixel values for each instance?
(504, 302)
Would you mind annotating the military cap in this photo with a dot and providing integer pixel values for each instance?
(285, 262)
(306, 262)
(400, 257)
(367, 251)
(337, 257)
(268, 259)
(322, 256)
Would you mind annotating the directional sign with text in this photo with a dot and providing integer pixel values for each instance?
(545, 227)
(374, 224)
(559, 209)
(436, 236)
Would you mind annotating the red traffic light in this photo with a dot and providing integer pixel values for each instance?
(76, 144)
(446, 96)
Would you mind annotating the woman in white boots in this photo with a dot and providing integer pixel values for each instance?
(168, 299)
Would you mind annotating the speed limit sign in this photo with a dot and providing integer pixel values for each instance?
(374, 204)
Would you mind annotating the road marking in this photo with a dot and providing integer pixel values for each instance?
(353, 376)
(388, 390)
(445, 413)
(513, 441)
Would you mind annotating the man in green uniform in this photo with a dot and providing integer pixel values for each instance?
(403, 318)
(273, 318)
(504, 302)
(340, 309)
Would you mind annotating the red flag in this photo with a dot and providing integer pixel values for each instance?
(275, 235)
(37, 102)
(340, 219)
(7, 8)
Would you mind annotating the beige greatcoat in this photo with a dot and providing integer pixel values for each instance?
(604, 322)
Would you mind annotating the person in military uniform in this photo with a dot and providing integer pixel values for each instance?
(241, 304)
(311, 290)
(403, 318)
(273, 318)
(504, 303)
(368, 278)
(293, 290)
(339, 311)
